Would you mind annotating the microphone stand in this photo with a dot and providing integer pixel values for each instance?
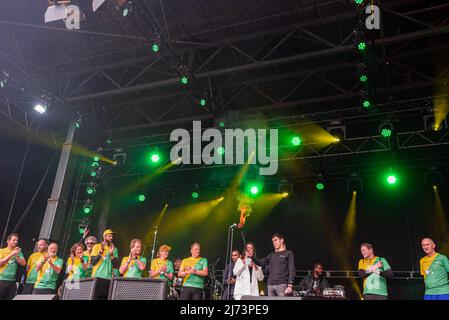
(228, 256)
(154, 244)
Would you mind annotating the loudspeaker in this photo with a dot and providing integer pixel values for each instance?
(138, 289)
(86, 289)
(270, 298)
(36, 297)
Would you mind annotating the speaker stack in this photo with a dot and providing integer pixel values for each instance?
(86, 289)
(138, 289)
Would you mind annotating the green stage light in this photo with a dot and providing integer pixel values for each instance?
(184, 80)
(391, 179)
(366, 104)
(90, 190)
(155, 47)
(220, 151)
(202, 102)
(363, 78)
(221, 124)
(254, 190)
(155, 157)
(386, 133)
(87, 208)
(319, 186)
(358, 2)
(95, 164)
(195, 195)
(96, 158)
(125, 12)
(141, 197)
(93, 174)
(296, 141)
(81, 229)
(361, 46)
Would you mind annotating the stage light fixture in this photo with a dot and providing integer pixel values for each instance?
(296, 140)
(88, 207)
(155, 157)
(319, 185)
(141, 197)
(433, 178)
(254, 188)
(41, 108)
(83, 225)
(386, 129)
(362, 71)
(155, 47)
(202, 102)
(354, 183)
(359, 2)
(430, 125)
(4, 79)
(184, 79)
(91, 189)
(338, 132)
(286, 189)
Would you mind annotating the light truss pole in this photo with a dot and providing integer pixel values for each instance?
(56, 205)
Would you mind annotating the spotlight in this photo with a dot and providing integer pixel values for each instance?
(362, 71)
(155, 157)
(430, 125)
(91, 189)
(354, 183)
(141, 197)
(254, 188)
(286, 188)
(359, 2)
(4, 79)
(220, 151)
(365, 99)
(296, 140)
(391, 178)
(203, 102)
(184, 79)
(319, 185)
(338, 132)
(127, 8)
(95, 172)
(88, 207)
(433, 178)
(40, 108)
(386, 129)
(83, 225)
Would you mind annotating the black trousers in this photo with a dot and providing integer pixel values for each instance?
(374, 297)
(28, 288)
(44, 291)
(190, 293)
(8, 290)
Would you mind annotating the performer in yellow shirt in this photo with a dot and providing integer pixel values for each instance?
(133, 265)
(76, 263)
(161, 267)
(31, 271)
(10, 257)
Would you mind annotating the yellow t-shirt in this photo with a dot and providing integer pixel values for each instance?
(103, 268)
(77, 270)
(31, 266)
(424, 264)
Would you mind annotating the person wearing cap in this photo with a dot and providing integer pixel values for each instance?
(134, 264)
(162, 268)
(104, 256)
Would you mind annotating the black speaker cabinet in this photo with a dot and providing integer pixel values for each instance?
(86, 289)
(36, 297)
(138, 289)
(270, 298)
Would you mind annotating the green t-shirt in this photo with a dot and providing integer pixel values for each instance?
(47, 277)
(133, 270)
(374, 283)
(103, 268)
(435, 270)
(8, 270)
(194, 280)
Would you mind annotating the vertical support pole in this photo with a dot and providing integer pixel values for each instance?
(56, 205)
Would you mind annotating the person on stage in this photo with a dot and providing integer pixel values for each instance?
(248, 274)
(434, 267)
(76, 263)
(48, 268)
(89, 242)
(193, 270)
(134, 264)
(31, 272)
(10, 257)
(161, 267)
(281, 265)
(229, 276)
(374, 271)
(314, 283)
(104, 256)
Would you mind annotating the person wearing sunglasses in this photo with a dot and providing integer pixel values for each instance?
(89, 242)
